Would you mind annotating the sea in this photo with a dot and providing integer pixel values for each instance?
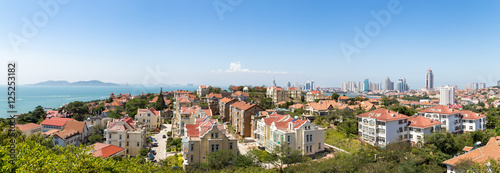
(28, 97)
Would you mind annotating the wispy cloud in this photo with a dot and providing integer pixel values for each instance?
(235, 67)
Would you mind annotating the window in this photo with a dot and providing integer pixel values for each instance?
(192, 158)
(120, 144)
(212, 135)
(411, 136)
(143, 120)
(400, 129)
(127, 143)
(406, 129)
(120, 136)
(288, 138)
(470, 127)
(319, 146)
(192, 147)
(215, 147)
(138, 143)
(127, 136)
(110, 136)
(230, 145)
(411, 128)
(57, 142)
(216, 135)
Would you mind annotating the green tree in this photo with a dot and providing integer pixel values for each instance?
(160, 103)
(335, 96)
(282, 155)
(35, 116)
(134, 104)
(77, 110)
(220, 159)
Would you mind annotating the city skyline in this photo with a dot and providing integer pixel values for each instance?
(256, 41)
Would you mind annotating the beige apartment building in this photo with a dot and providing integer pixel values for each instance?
(206, 137)
(277, 94)
(126, 133)
(240, 117)
(149, 118)
(295, 94)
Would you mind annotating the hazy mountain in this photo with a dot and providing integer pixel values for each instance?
(79, 83)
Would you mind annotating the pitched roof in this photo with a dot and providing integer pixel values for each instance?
(239, 94)
(56, 121)
(214, 95)
(422, 122)
(440, 109)
(469, 115)
(482, 154)
(29, 126)
(152, 110)
(227, 100)
(105, 150)
(243, 105)
(67, 133)
(384, 115)
(76, 125)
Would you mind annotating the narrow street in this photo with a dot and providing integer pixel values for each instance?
(161, 152)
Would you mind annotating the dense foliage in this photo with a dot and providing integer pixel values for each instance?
(35, 116)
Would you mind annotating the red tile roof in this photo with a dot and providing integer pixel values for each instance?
(440, 109)
(422, 122)
(469, 115)
(76, 125)
(105, 150)
(56, 121)
(29, 126)
(67, 133)
(244, 105)
(480, 155)
(227, 100)
(384, 115)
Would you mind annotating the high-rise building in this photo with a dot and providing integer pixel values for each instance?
(274, 82)
(366, 85)
(289, 85)
(475, 86)
(447, 95)
(482, 85)
(388, 84)
(498, 83)
(429, 80)
(402, 85)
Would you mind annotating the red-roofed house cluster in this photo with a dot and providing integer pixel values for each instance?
(381, 127)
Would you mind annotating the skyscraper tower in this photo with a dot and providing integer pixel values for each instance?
(366, 85)
(429, 80)
(274, 82)
(389, 85)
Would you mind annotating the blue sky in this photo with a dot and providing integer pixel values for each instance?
(179, 42)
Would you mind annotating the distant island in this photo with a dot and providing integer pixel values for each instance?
(79, 83)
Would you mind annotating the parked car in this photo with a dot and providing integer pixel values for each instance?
(155, 144)
(153, 151)
(164, 136)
